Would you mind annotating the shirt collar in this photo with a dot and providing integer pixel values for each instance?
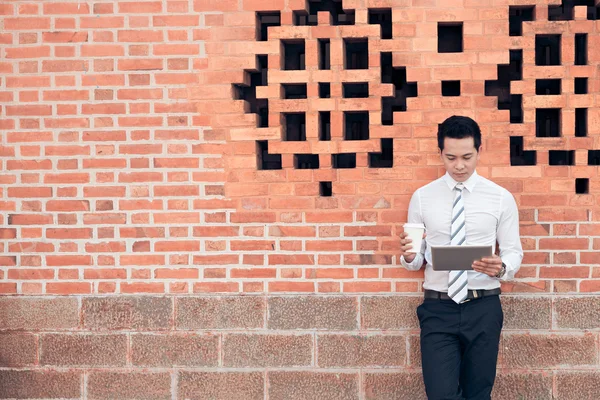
(469, 183)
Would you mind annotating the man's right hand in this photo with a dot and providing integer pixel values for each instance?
(405, 245)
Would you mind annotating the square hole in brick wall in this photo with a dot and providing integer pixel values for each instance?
(324, 125)
(355, 90)
(581, 85)
(450, 37)
(561, 157)
(325, 189)
(547, 86)
(581, 122)
(385, 159)
(295, 127)
(516, 108)
(356, 53)
(547, 49)
(294, 90)
(518, 156)
(593, 157)
(581, 49)
(306, 161)
(561, 12)
(293, 54)
(356, 125)
(450, 88)
(302, 18)
(324, 54)
(582, 185)
(383, 17)
(547, 122)
(324, 90)
(344, 160)
(263, 115)
(516, 16)
(263, 21)
(266, 161)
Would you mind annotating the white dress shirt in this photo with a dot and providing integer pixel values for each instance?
(491, 215)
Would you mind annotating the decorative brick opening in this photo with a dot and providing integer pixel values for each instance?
(355, 90)
(516, 16)
(294, 91)
(518, 156)
(581, 85)
(451, 88)
(562, 157)
(581, 122)
(356, 53)
(450, 37)
(581, 49)
(547, 49)
(582, 185)
(547, 122)
(547, 87)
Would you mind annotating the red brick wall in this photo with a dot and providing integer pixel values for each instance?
(134, 215)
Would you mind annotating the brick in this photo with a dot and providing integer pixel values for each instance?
(301, 385)
(292, 287)
(527, 312)
(143, 287)
(37, 384)
(577, 312)
(361, 351)
(136, 7)
(175, 350)
(267, 350)
(307, 312)
(17, 350)
(564, 272)
(215, 5)
(367, 286)
(105, 385)
(229, 312)
(132, 312)
(547, 351)
(28, 23)
(38, 314)
(394, 385)
(329, 273)
(572, 385)
(221, 385)
(523, 385)
(389, 312)
(291, 259)
(216, 287)
(81, 350)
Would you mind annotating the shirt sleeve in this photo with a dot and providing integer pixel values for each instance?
(415, 217)
(509, 240)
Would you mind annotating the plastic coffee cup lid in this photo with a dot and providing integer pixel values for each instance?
(414, 225)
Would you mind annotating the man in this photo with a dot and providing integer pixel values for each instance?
(461, 316)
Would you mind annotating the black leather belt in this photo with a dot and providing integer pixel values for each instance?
(471, 294)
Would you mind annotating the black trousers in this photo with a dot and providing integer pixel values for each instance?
(459, 347)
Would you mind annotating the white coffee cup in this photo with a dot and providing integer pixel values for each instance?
(415, 233)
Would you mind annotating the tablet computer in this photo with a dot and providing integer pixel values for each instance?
(448, 258)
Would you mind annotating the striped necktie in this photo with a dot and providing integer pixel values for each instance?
(457, 280)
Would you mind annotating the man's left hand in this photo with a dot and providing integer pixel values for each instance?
(488, 265)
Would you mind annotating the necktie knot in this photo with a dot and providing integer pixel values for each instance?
(459, 187)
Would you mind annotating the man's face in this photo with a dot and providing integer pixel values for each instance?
(460, 157)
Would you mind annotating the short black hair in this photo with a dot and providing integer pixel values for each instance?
(459, 127)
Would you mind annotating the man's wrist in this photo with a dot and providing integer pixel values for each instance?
(502, 271)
